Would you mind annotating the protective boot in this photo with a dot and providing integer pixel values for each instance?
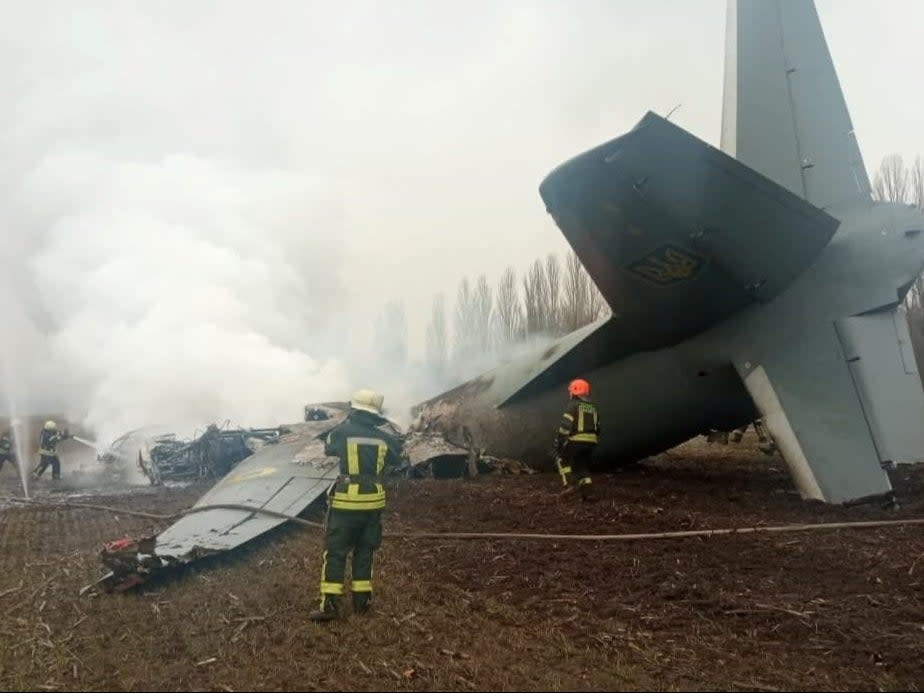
(328, 611)
(587, 492)
(362, 601)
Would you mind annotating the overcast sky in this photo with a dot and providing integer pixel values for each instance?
(420, 130)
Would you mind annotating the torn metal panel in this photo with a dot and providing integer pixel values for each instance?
(165, 458)
(285, 477)
(326, 410)
(213, 454)
(432, 454)
(282, 478)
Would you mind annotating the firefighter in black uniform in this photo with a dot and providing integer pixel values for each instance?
(366, 450)
(577, 438)
(48, 450)
(6, 450)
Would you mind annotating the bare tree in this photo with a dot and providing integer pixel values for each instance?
(508, 313)
(437, 338)
(917, 184)
(892, 180)
(534, 286)
(597, 305)
(553, 295)
(895, 183)
(575, 303)
(581, 302)
(464, 333)
(483, 314)
(391, 335)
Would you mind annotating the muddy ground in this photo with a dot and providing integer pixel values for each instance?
(827, 610)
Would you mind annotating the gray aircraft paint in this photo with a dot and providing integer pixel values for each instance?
(737, 285)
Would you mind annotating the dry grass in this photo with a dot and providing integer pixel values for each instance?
(843, 610)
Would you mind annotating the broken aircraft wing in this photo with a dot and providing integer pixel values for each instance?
(284, 477)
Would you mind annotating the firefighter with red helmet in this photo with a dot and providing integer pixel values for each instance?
(577, 437)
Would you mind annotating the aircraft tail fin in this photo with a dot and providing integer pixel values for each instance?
(784, 113)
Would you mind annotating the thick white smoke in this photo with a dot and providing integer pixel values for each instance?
(203, 206)
(165, 260)
(181, 292)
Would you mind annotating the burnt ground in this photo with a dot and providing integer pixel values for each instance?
(808, 611)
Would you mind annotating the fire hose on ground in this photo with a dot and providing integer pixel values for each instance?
(685, 534)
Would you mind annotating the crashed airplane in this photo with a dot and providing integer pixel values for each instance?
(282, 477)
(759, 280)
(288, 472)
(164, 458)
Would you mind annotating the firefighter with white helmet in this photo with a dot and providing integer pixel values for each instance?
(48, 450)
(366, 449)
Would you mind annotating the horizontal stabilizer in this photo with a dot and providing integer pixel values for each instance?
(678, 235)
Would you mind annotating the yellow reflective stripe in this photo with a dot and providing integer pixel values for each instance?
(49, 453)
(564, 431)
(355, 499)
(583, 438)
(585, 481)
(362, 585)
(359, 497)
(339, 504)
(354, 492)
(566, 470)
(353, 458)
(583, 411)
(380, 462)
(333, 588)
(569, 417)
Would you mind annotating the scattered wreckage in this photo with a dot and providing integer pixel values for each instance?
(433, 455)
(165, 458)
(284, 477)
(285, 474)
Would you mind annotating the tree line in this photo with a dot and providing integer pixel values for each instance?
(553, 297)
(550, 298)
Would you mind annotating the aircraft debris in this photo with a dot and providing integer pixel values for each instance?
(285, 477)
(285, 474)
(316, 414)
(325, 411)
(213, 454)
(164, 457)
(433, 455)
(282, 478)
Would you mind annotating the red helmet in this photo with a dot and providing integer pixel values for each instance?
(579, 388)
